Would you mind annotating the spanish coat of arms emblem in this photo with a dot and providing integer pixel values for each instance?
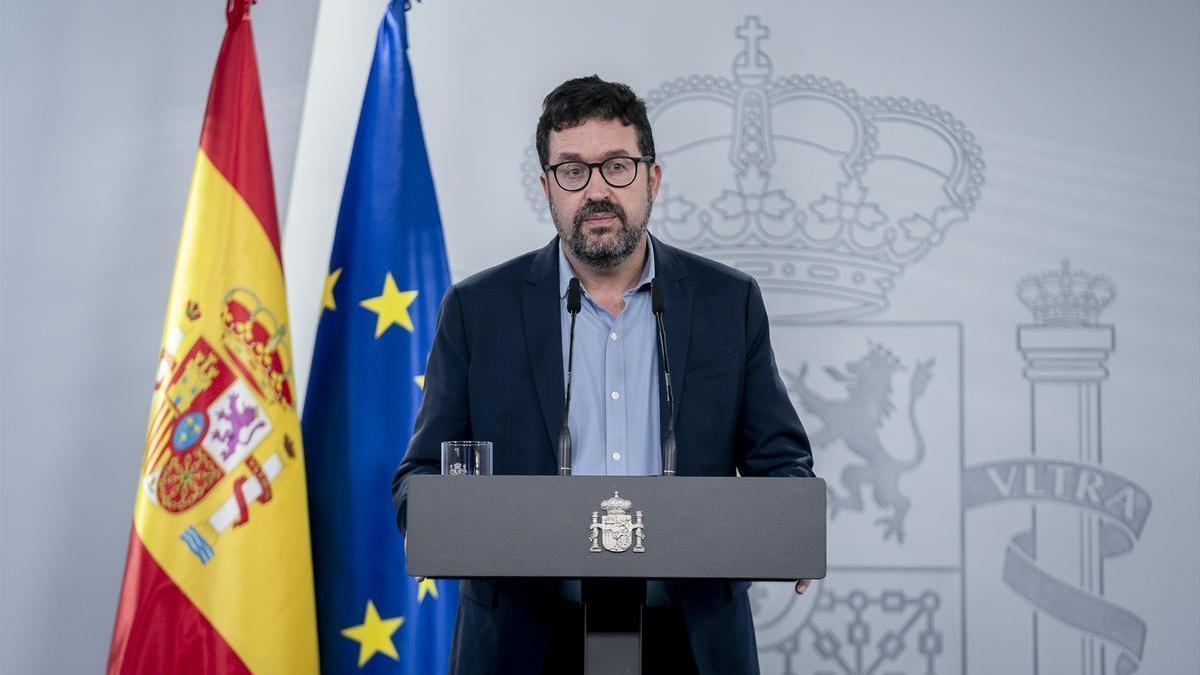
(616, 530)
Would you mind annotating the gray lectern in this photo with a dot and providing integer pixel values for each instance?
(614, 533)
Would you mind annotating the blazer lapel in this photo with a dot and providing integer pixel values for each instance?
(540, 307)
(677, 321)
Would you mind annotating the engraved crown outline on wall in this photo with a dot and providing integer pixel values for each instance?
(1066, 297)
(825, 196)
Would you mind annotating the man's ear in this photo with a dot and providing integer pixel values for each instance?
(655, 179)
(545, 185)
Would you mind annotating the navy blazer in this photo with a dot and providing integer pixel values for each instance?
(495, 373)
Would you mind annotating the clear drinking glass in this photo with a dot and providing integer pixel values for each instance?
(466, 458)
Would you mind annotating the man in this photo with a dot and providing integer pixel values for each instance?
(497, 368)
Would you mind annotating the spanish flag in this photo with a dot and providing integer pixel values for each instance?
(218, 577)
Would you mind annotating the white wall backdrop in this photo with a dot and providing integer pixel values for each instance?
(983, 218)
(905, 179)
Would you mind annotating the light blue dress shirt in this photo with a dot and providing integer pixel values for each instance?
(614, 418)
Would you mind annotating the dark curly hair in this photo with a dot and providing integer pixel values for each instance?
(590, 98)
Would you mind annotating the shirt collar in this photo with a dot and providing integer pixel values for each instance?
(565, 271)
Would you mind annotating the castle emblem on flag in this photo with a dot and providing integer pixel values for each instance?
(617, 530)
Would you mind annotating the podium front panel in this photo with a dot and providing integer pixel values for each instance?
(541, 526)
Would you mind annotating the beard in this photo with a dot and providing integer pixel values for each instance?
(605, 253)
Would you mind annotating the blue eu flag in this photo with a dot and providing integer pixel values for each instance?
(387, 274)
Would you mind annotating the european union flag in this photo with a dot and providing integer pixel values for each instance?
(387, 275)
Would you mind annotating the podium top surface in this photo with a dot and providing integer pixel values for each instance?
(691, 527)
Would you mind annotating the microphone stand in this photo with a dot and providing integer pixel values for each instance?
(659, 305)
(574, 304)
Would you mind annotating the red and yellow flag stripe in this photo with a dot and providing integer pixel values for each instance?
(218, 577)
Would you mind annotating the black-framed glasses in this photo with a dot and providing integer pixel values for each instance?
(618, 172)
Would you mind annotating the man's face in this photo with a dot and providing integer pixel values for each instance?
(601, 225)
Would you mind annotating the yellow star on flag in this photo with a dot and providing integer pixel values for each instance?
(427, 586)
(374, 635)
(391, 306)
(420, 380)
(331, 280)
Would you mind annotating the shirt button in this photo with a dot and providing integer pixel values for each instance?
(617, 456)
(612, 336)
(615, 395)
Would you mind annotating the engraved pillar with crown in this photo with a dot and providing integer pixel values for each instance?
(1065, 352)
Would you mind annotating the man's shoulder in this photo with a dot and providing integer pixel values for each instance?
(702, 271)
(509, 271)
(505, 277)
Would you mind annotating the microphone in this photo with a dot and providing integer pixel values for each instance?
(574, 304)
(658, 304)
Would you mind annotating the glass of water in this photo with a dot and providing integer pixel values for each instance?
(466, 458)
